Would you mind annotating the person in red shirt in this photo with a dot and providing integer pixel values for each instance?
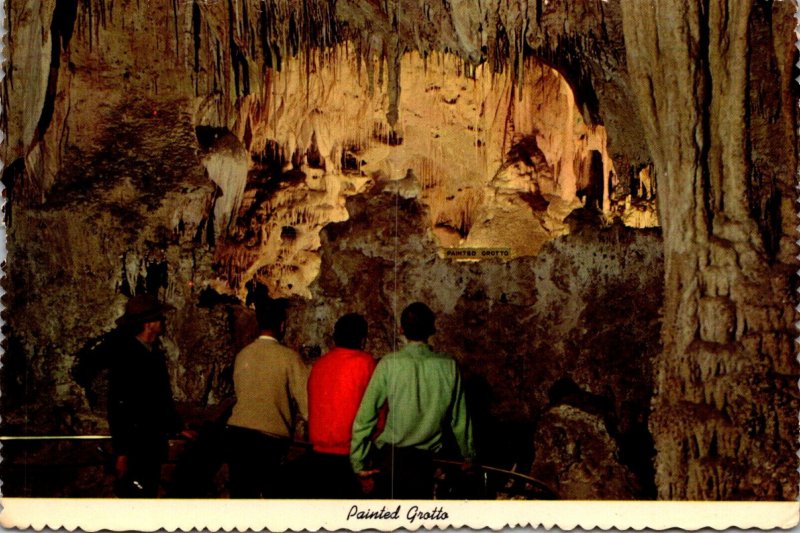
(335, 387)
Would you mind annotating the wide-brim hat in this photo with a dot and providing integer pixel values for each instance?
(143, 308)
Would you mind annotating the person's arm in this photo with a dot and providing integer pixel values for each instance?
(460, 421)
(384, 410)
(122, 427)
(122, 420)
(366, 419)
(298, 386)
(173, 419)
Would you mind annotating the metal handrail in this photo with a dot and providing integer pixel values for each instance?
(484, 467)
(55, 437)
(540, 485)
(498, 470)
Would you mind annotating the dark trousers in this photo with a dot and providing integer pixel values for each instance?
(144, 472)
(329, 476)
(406, 473)
(255, 463)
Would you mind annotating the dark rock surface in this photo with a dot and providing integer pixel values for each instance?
(587, 308)
(516, 328)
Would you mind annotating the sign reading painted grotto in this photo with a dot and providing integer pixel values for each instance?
(476, 254)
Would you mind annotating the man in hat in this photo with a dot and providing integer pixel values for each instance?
(141, 410)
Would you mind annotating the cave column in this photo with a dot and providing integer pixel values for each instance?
(723, 411)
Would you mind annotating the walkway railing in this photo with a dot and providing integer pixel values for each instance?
(495, 482)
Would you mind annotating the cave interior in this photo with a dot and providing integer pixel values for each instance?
(617, 180)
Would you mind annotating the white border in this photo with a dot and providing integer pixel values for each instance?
(296, 515)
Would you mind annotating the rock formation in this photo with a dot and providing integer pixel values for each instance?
(721, 134)
(194, 148)
(517, 327)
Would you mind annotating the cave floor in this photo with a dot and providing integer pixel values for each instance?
(84, 469)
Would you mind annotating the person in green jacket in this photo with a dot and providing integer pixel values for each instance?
(425, 400)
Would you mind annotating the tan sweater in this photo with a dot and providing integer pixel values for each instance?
(270, 384)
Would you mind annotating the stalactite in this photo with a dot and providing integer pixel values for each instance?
(227, 167)
(61, 30)
(175, 27)
(196, 34)
(394, 55)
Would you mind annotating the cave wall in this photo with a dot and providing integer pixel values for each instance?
(81, 99)
(74, 261)
(479, 150)
(573, 313)
(264, 97)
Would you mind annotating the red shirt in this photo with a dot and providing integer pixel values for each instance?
(335, 388)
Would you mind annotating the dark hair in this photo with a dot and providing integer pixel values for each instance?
(350, 331)
(132, 330)
(271, 314)
(418, 322)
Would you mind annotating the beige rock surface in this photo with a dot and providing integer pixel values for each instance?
(722, 410)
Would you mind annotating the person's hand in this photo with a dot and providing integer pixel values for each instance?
(301, 430)
(121, 466)
(366, 478)
(469, 467)
(189, 434)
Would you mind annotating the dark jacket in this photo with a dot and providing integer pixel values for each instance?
(141, 411)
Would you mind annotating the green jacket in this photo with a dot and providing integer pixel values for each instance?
(424, 395)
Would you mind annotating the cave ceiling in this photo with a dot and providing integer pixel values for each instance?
(484, 111)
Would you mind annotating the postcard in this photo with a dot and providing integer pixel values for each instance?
(402, 264)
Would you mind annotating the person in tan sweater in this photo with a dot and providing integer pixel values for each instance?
(270, 384)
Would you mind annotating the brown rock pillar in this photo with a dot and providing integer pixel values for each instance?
(725, 406)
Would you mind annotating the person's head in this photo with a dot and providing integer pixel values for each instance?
(350, 331)
(271, 315)
(144, 317)
(152, 330)
(418, 322)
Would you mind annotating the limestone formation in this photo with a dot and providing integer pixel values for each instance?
(580, 457)
(722, 140)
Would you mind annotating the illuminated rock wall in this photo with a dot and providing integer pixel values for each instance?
(480, 142)
(473, 149)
